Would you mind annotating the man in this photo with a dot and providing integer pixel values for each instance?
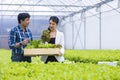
(19, 37)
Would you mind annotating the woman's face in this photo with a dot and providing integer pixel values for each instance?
(52, 25)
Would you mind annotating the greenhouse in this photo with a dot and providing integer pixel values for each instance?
(89, 37)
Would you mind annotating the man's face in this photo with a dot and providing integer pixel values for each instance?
(26, 22)
(52, 25)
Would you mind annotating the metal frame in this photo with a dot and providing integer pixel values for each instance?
(71, 14)
(89, 7)
(36, 11)
(44, 5)
(84, 29)
(98, 5)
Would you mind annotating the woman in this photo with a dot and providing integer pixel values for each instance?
(56, 37)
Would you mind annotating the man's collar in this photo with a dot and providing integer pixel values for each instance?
(21, 28)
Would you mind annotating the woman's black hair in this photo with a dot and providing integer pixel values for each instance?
(54, 19)
(48, 28)
(22, 16)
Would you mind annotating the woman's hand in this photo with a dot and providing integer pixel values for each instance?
(60, 54)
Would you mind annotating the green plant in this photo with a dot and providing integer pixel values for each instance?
(52, 71)
(39, 44)
(45, 36)
(92, 56)
(49, 46)
(33, 44)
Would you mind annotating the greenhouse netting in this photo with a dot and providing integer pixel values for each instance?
(86, 24)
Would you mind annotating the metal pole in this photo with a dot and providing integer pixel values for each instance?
(118, 3)
(84, 30)
(100, 47)
(1, 24)
(73, 33)
(71, 19)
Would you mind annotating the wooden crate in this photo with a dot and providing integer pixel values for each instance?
(41, 51)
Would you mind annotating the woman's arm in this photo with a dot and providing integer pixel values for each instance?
(62, 43)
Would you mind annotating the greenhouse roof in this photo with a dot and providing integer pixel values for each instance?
(55, 7)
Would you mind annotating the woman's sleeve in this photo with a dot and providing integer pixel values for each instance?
(62, 43)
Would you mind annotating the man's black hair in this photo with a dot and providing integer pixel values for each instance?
(54, 19)
(22, 16)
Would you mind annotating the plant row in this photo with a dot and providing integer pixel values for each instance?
(58, 71)
(92, 56)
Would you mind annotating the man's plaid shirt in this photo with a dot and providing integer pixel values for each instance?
(17, 35)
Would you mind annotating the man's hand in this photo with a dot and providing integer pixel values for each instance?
(17, 45)
(25, 42)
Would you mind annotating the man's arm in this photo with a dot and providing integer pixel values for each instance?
(12, 38)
